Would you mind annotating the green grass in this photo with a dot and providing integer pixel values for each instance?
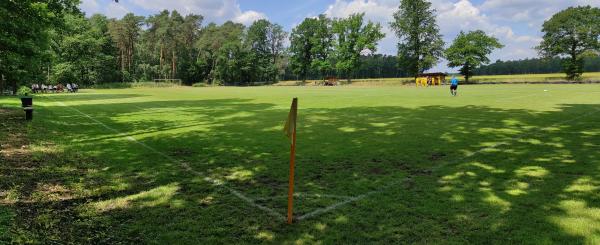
(524, 78)
(499, 163)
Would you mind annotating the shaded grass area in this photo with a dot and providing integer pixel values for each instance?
(42, 189)
(511, 164)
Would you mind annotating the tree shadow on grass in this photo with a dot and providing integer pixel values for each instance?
(536, 181)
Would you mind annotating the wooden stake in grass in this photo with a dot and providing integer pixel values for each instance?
(290, 132)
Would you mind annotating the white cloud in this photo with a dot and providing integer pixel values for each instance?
(90, 6)
(115, 10)
(464, 16)
(217, 11)
(213, 10)
(248, 17)
(110, 9)
(532, 12)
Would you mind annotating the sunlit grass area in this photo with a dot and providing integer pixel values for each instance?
(502, 163)
(522, 78)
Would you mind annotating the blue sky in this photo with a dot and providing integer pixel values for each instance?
(516, 23)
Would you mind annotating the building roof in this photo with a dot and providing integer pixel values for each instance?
(433, 74)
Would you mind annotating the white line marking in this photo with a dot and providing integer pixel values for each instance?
(393, 183)
(518, 97)
(320, 211)
(186, 166)
(304, 195)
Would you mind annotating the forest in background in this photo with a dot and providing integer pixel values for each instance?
(533, 66)
(386, 66)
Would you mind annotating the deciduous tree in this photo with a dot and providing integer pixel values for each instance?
(421, 45)
(322, 46)
(354, 37)
(471, 50)
(572, 33)
(301, 47)
(25, 36)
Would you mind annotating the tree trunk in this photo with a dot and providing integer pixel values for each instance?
(1, 84)
(211, 74)
(466, 71)
(131, 52)
(349, 78)
(161, 60)
(122, 66)
(276, 77)
(82, 74)
(304, 73)
(174, 67)
(123, 60)
(14, 86)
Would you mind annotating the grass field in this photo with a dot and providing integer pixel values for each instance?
(525, 78)
(498, 164)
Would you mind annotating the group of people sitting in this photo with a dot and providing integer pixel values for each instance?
(59, 88)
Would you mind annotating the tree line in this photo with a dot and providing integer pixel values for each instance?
(51, 40)
(386, 66)
(534, 66)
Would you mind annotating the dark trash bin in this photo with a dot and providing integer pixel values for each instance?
(27, 101)
(28, 113)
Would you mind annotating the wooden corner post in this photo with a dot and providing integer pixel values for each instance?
(290, 129)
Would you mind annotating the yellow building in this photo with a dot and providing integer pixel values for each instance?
(431, 79)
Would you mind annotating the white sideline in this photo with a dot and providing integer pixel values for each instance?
(186, 166)
(518, 97)
(393, 183)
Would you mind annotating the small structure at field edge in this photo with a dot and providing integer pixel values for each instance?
(331, 81)
(431, 79)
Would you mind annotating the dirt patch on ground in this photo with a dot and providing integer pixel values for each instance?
(377, 171)
(412, 170)
(181, 152)
(14, 148)
(40, 189)
(436, 156)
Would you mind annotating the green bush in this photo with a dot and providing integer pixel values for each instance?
(202, 84)
(24, 91)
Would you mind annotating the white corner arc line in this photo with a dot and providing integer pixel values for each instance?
(186, 166)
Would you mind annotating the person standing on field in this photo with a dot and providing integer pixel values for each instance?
(454, 86)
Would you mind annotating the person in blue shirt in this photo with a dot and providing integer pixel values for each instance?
(454, 85)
